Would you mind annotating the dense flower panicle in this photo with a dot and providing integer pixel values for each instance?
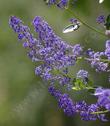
(64, 101)
(67, 105)
(64, 80)
(22, 30)
(49, 49)
(86, 111)
(54, 92)
(25, 35)
(86, 115)
(14, 20)
(89, 113)
(103, 97)
(100, 19)
(100, 66)
(54, 54)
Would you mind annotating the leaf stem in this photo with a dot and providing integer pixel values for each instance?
(101, 60)
(79, 88)
(100, 112)
(91, 59)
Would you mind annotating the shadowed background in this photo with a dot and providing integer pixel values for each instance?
(24, 100)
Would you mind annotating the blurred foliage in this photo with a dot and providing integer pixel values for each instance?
(24, 99)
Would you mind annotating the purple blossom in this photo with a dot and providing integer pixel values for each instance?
(100, 19)
(89, 113)
(95, 58)
(77, 50)
(82, 74)
(54, 92)
(25, 44)
(47, 76)
(103, 97)
(81, 106)
(100, 66)
(54, 54)
(107, 45)
(64, 101)
(38, 70)
(22, 31)
(63, 3)
(90, 53)
(14, 22)
(65, 80)
(60, 3)
(70, 108)
(48, 48)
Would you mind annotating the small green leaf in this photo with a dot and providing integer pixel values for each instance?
(80, 84)
(107, 24)
(76, 88)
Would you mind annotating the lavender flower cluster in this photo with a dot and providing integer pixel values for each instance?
(49, 49)
(87, 112)
(103, 97)
(55, 56)
(100, 19)
(100, 60)
(61, 3)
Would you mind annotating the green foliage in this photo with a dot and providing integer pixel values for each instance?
(107, 24)
(80, 84)
(17, 72)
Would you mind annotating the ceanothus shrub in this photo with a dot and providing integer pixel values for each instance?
(55, 57)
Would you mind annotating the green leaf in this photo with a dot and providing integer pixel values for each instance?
(107, 24)
(80, 84)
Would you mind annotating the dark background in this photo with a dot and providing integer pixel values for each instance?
(24, 100)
